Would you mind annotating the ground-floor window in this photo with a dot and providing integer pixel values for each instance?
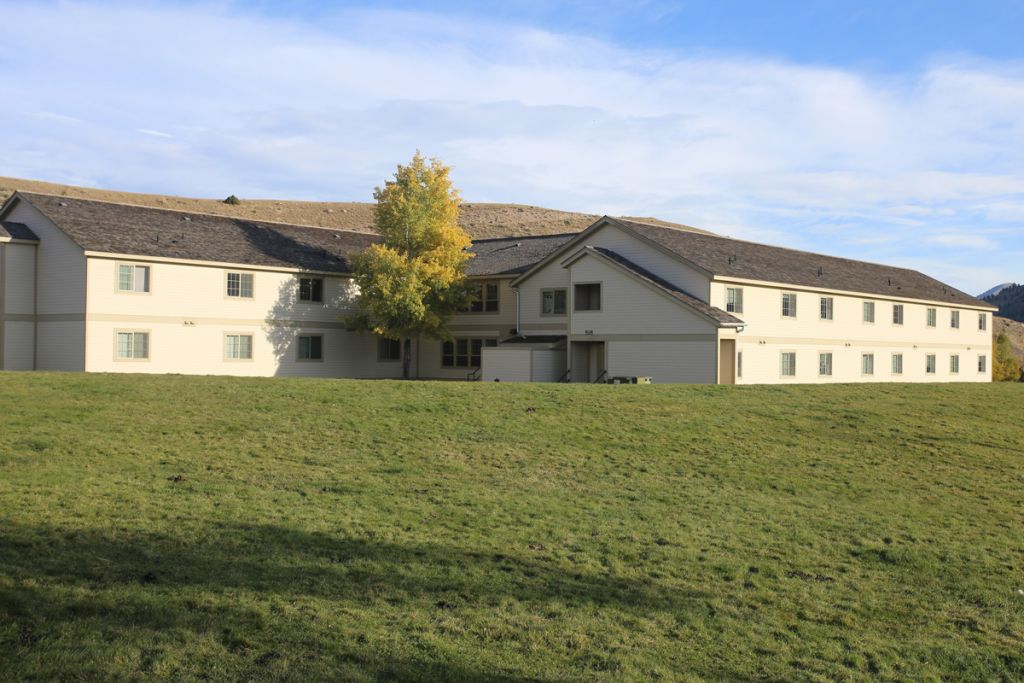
(739, 364)
(954, 364)
(867, 363)
(132, 346)
(982, 364)
(389, 349)
(929, 364)
(825, 364)
(789, 364)
(463, 352)
(238, 346)
(311, 347)
(897, 363)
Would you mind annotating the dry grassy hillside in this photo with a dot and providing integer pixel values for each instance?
(479, 220)
(1015, 331)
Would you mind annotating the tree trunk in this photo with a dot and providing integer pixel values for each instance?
(406, 357)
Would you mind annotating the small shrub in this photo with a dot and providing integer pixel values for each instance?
(233, 200)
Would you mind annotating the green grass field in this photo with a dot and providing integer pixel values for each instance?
(268, 529)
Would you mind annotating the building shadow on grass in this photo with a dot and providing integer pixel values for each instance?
(159, 577)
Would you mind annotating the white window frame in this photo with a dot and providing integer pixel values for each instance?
(734, 299)
(792, 299)
(897, 314)
(600, 297)
(931, 366)
(298, 348)
(133, 359)
(982, 322)
(954, 320)
(982, 363)
(135, 267)
(782, 364)
(553, 292)
(931, 317)
(825, 360)
(826, 308)
(311, 278)
(242, 277)
(239, 335)
(896, 365)
(954, 363)
(867, 317)
(867, 364)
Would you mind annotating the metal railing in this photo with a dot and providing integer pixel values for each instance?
(600, 378)
(473, 376)
(566, 376)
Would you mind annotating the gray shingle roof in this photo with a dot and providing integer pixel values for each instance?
(17, 231)
(727, 257)
(125, 229)
(675, 292)
(512, 255)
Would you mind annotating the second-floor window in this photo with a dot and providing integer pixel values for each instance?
(587, 297)
(485, 298)
(788, 305)
(239, 285)
(132, 278)
(982, 322)
(897, 314)
(954, 319)
(869, 311)
(552, 302)
(931, 317)
(734, 299)
(827, 303)
(311, 289)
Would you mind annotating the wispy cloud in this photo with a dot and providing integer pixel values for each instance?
(831, 159)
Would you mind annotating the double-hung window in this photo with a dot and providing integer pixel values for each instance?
(954, 364)
(869, 311)
(982, 322)
(239, 285)
(311, 289)
(132, 278)
(789, 364)
(238, 346)
(788, 304)
(867, 363)
(982, 364)
(132, 346)
(485, 298)
(310, 347)
(734, 299)
(827, 304)
(825, 364)
(897, 363)
(552, 302)
(931, 313)
(929, 364)
(897, 314)
(954, 319)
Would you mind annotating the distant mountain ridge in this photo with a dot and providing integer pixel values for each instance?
(995, 290)
(1010, 301)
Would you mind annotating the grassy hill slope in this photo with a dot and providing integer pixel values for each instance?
(481, 221)
(225, 529)
(1014, 331)
(1010, 302)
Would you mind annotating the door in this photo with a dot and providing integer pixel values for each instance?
(727, 361)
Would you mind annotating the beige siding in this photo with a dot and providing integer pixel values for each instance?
(548, 365)
(690, 362)
(768, 334)
(507, 365)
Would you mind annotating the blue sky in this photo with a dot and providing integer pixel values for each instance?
(891, 132)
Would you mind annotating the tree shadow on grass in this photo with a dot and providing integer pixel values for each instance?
(157, 582)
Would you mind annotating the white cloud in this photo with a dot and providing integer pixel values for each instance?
(830, 159)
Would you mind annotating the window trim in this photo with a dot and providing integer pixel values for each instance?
(553, 291)
(982, 363)
(485, 342)
(483, 284)
(149, 345)
(782, 363)
(863, 312)
(863, 370)
(782, 305)
(252, 294)
(892, 365)
(826, 304)
(252, 347)
(736, 300)
(600, 296)
(931, 360)
(954, 319)
(954, 363)
(117, 278)
(309, 302)
(903, 313)
(380, 356)
(298, 348)
(831, 364)
(982, 322)
(931, 317)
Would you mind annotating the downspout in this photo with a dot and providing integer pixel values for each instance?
(519, 329)
(3, 295)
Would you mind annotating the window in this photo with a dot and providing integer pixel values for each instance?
(982, 364)
(982, 322)
(587, 297)
(388, 349)
(310, 289)
(954, 364)
(825, 364)
(240, 285)
(826, 307)
(897, 363)
(789, 364)
(788, 305)
(238, 346)
(869, 311)
(867, 363)
(897, 314)
(954, 319)
(929, 364)
(734, 299)
(485, 299)
(464, 353)
(311, 347)
(552, 302)
(739, 364)
(931, 317)
(132, 346)
(131, 278)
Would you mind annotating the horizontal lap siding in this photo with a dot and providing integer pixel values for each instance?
(506, 365)
(665, 362)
